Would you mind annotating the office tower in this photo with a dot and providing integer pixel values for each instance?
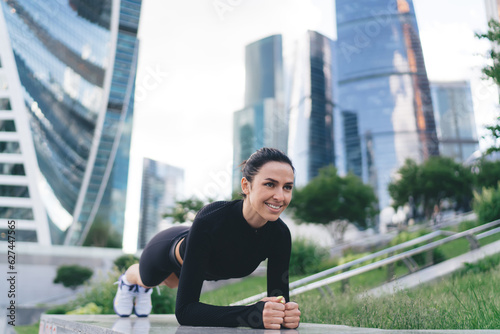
(492, 8)
(263, 121)
(76, 63)
(382, 79)
(311, 143)
(162, 185)
(455, 122)
(351, 143)
(19, 195)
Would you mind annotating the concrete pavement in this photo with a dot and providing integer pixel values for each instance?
(167, 324)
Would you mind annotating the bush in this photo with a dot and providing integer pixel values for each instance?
(487, 204)
(125, 261)
(102, 292)
(72, 276)
(479, 267)
(306, 257)
(90, 308)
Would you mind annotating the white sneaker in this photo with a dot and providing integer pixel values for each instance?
(143, 306)
(123, 304)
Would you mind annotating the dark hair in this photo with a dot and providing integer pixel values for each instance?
(251, 166)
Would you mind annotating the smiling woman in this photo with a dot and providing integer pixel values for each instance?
(226, 240)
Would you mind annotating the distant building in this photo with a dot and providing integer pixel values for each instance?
(76, 63)
(455, 121)
(492, 8)
(311, 104)
(383, 85)
(351, 143)
(263, 121)
(162, 185)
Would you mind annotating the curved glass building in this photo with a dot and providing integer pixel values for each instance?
(384, 91)
(76, 62)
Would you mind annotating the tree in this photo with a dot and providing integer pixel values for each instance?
(101, 234)
(493, 71)
(72, 276)
(335, 201)
(124, 261)
(428, 184)
(185, 210)
(486, 174)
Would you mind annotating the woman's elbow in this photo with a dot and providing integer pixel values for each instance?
(180, 315)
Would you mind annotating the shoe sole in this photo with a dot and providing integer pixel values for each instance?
(121, 315)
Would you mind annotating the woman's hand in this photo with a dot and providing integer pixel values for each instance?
(292, 315)
(274, 312)
(277, 307)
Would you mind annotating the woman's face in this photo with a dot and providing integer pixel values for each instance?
(271, 190)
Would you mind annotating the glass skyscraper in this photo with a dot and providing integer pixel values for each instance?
(76, 61)
(383, 82)
(162, 185)
(455, 121)
(311, 105)
(263, 121)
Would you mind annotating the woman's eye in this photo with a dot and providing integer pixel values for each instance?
(288, 187)
(269, 184)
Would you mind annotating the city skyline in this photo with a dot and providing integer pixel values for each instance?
(191, 75)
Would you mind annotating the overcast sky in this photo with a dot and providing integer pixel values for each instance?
(191, 75)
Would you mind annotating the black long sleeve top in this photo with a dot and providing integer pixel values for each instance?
(221, 245)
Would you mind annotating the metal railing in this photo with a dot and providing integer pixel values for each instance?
(298, 286)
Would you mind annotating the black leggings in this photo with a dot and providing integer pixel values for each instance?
(158, 259)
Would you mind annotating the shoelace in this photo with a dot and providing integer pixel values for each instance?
(130, 287)
(136, 287)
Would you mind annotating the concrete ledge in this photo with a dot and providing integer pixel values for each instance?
(167, 324)
(164, 324)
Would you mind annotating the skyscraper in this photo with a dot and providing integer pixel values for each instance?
(76, 63)
(382, 79)
(492, 9)
(455, 121)
(19, 195)
(162, 185)
(263, 121)
(311, 143)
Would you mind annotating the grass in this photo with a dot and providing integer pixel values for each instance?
(467, 300)
(30, 329)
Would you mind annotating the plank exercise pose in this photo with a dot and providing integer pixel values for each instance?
(226, 240)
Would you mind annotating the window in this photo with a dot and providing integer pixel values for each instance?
(12, 169)
(16, 213)
(3, 82)
(14, 191)
(5, 104)
(7, 126)
(10, 147)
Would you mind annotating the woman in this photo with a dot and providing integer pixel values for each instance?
(226, 240)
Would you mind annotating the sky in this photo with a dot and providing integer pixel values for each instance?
(191, 76)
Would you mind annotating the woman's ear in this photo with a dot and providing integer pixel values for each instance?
(245, 186)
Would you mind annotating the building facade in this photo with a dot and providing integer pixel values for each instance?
(311, 106)
(263, 121)
(76, 63)
(383, 82)
(492, 8)
(162, 185)
(455, 120)
(19, 190)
